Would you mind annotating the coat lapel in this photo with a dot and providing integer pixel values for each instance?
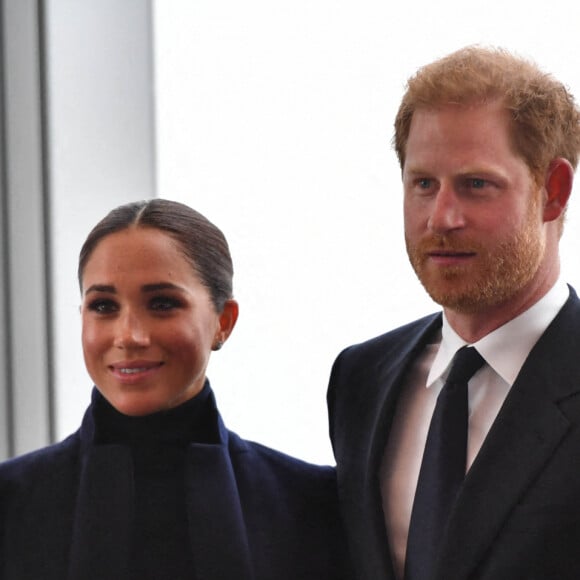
(525, 435)
(218, 533)
(101, 539)
(102, 526)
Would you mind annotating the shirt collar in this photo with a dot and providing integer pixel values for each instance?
(507, 347)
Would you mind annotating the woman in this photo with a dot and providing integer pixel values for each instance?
(153, 486)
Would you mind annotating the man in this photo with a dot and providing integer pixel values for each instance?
(488, 145)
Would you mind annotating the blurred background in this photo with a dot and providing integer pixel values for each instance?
(274, 119)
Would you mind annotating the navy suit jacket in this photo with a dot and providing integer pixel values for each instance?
(517, 516)
(254, 513)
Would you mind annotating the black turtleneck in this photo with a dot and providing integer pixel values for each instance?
(161, 536)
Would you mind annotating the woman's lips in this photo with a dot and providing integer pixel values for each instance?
(132, 371)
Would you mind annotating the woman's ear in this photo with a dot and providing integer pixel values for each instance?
(558, 185)
(227, 321)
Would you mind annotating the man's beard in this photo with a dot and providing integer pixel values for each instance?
(499, 272)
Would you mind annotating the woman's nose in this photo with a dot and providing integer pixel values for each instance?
(131, 331)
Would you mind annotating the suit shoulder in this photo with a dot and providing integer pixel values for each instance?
(393, 338)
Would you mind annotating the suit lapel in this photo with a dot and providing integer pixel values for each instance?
(390, 379)
(218, 533)
(525, 435)
(367, 526)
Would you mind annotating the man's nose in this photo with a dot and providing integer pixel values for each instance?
(446, 210)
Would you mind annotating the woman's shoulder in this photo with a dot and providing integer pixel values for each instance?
(259, 460)
(44, 462)
(294, 505)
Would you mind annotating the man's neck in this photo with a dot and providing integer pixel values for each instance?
(474, 325)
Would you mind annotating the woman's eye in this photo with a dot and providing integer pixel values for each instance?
(103, 306)
(164, 303)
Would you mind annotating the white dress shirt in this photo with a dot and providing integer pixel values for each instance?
(505, 351)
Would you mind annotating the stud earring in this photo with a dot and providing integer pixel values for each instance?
(218, 344)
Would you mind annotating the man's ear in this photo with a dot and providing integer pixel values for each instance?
(558, 186)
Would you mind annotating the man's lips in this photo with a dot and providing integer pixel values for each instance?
(450, 253)
(449, 257)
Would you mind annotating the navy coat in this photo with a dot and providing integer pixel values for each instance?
(254, 513)
(517, 516)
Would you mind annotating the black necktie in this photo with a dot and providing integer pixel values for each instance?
(443, 467)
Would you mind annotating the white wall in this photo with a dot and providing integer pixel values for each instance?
(102, 154)
(274, 119)
(25, 304)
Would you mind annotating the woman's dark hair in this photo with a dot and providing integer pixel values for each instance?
(202, 243)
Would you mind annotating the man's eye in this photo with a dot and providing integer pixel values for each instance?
(103, 306)
(424, 183)
(477, 183)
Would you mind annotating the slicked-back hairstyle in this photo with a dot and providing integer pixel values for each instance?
(545, 118)
(202, 243)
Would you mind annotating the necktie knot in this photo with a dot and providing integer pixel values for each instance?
(466, 362)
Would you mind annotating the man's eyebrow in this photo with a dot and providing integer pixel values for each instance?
(415, 171)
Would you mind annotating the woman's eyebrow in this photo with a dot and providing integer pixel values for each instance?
(101, 288)
(156, 287)
(160, 286)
